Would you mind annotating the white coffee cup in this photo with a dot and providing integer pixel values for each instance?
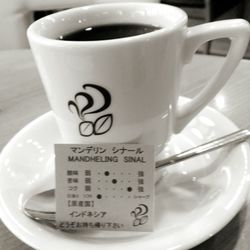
(126, 90)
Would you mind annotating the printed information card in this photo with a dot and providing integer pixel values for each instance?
(105, 187)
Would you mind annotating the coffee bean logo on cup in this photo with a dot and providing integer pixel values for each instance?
(84, 104)
(140, 57)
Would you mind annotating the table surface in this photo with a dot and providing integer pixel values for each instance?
(20, 85)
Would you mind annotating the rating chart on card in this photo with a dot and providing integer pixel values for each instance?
(106, 187)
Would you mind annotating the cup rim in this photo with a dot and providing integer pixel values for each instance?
(34, 35)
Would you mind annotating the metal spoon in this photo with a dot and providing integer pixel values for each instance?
(41, 207)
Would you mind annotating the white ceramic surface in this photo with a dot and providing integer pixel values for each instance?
(16, 16)
(94, 86)
(194, 200)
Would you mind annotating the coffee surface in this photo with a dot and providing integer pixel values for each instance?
(106, 32)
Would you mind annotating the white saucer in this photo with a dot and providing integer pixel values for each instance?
(193, 202)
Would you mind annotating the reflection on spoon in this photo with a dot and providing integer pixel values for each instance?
(42, 206)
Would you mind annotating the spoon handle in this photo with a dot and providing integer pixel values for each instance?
(236, 137)
(48, 217)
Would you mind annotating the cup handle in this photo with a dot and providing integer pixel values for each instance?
(238, 31)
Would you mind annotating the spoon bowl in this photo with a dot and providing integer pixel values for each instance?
(42, 206)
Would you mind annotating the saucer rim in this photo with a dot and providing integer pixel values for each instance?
(193, 243)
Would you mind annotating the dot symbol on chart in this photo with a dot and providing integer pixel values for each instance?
(99, 196)
(106, 173)
(114, 181)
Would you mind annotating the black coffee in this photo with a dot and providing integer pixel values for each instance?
(106, 32)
